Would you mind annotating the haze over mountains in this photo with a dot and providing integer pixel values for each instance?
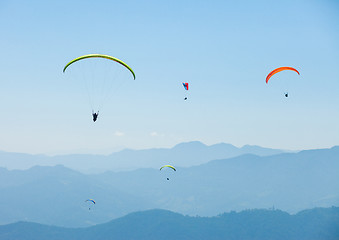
(183, 155)
(287, 181)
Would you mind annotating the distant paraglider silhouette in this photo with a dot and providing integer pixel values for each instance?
(91, 201)
(186, 88)
(168, 166)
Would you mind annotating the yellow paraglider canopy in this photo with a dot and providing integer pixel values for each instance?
(100, 56)
(169, 166)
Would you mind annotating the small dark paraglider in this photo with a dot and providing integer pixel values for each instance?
(168, 166)
(286, 94)
(90, 201)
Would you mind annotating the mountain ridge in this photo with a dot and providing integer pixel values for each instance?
(183, 155)
(317, 223)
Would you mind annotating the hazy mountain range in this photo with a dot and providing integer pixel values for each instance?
(183, 154)
(56, 195)
(315, 224)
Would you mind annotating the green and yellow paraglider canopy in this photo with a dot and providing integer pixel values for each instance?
(100, 56)
(169, 166)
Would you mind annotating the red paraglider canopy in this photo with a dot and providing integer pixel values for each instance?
(279, 70)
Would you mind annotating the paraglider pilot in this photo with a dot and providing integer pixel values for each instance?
(286, 94)
(95, 115)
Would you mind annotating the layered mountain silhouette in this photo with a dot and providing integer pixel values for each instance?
(56, 195)
(184, 155)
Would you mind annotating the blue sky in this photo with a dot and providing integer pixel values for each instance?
(224, 49)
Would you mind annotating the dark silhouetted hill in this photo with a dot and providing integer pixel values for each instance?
(315, 224)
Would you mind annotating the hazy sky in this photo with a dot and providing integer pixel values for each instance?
(224, 49)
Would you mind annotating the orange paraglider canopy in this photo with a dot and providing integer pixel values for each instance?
(279, 70)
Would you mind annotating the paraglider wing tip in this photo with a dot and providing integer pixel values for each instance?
(130, 69)
(66, 67)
